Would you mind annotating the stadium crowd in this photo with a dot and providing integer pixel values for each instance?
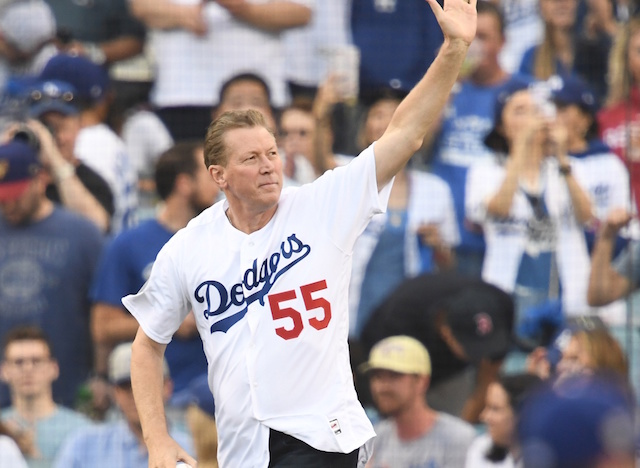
(493, 314)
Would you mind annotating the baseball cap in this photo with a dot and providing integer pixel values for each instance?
(91, 81)
(494, 138)
(197, 393)
(576, 422)
(27, 25)
(574, 90)
(52, 96)
(402, 354)
(478, 321)
(19, 164)
(120, 365)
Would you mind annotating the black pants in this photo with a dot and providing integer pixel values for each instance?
(288, 452)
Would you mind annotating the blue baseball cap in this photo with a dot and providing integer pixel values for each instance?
(575, 91)
(575, 422)
(19, 164)
(52, 96)
(197, 393)
(91, 81)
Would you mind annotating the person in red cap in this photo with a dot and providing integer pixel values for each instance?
(47, 258)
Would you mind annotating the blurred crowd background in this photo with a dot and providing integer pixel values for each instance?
(494, 313)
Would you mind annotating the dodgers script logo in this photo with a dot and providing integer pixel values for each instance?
(292, 251)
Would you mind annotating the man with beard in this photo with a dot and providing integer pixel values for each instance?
(184, 186)
(48, 255)
(412, 434)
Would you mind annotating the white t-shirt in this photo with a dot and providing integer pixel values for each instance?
(476, 455)
(307, 48)
(146, 138)
(271, 309)
(605, 177)
(506, 238)
(192, 69)
(103, 151)
(10, 455)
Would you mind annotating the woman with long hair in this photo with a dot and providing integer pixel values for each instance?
(498, 447)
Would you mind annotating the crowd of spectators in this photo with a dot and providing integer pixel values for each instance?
(500, 281)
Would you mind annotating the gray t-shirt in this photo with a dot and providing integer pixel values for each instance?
(444, 446)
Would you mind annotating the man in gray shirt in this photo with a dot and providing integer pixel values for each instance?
(412, 435)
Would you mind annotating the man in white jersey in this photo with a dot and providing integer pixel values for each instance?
(266, 273)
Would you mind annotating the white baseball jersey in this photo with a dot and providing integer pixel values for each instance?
(271, 309)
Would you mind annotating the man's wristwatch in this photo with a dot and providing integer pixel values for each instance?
(63, 172)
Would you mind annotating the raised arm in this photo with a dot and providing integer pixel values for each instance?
(147, 383)
(419, 113)
(605, 283)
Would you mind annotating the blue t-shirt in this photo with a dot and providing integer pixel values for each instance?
(45, 272)
(123, 269)
(398, 39)
(110, 445)
(50, 432)
(467, 119)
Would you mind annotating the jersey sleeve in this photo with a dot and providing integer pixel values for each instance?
(347, 197)
(162, 303)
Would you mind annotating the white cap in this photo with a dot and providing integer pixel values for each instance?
(26, 25)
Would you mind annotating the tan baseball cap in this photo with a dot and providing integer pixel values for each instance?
(402, 354)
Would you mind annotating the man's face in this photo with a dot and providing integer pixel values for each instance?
(243, 95)
(65, 129)
(20, 211)
(252, 176)
(394, 393)
(297, 130)
(205, 190)
(488, 40)
(378, 119)
(28, 368)
(123, 394)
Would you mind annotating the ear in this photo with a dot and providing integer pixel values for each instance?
(183, 184)
(218, 175)
(3, 373)
(55, 369)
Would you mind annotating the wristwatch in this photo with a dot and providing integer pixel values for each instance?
(63, 172)
(564, 169)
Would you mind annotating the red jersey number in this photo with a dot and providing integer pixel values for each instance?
(310, 303)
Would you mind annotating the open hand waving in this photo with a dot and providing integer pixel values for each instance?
(457, 19)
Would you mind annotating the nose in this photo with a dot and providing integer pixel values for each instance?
(267, 164)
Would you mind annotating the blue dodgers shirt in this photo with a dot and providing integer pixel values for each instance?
(123, 269)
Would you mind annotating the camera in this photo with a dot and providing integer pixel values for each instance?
(25, 135)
